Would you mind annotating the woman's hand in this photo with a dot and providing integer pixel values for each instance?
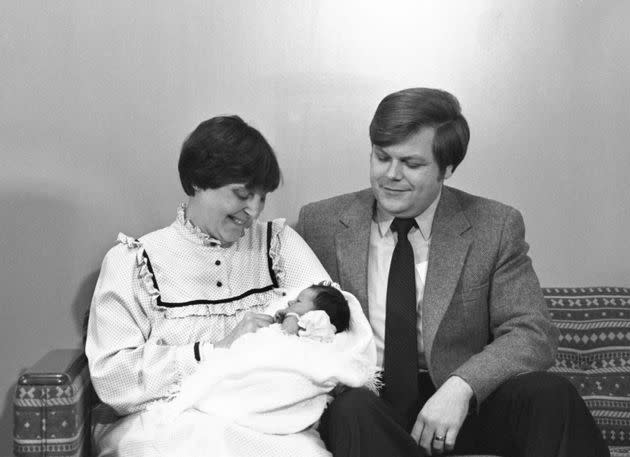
(249, 324)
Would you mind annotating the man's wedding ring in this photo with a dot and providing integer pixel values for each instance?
(438, 438)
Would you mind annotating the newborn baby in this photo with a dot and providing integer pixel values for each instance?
(269, 388)
(318, 312)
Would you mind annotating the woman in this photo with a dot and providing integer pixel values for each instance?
(165, 301)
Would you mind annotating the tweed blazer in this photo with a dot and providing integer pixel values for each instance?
(483, 314)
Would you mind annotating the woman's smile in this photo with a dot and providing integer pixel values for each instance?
(240, 222)
(225, 212)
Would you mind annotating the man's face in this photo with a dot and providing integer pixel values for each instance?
(405, 177)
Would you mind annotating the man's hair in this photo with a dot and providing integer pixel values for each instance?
(330, 300)
(225, 150)
(403, 114)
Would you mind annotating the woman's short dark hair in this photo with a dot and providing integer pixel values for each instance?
(225, 150)
(330, 300)
(403, 114)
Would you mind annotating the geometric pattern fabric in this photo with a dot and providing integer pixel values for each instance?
(52, 418)
(594, 354)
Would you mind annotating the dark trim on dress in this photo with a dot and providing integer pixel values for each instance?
(272, 275)
(196, 351)
(150, 268)
(214, 302)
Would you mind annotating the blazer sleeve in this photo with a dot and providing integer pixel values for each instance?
(523, 338)
(300, 226)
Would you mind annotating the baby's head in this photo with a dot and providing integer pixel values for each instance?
(323, 298)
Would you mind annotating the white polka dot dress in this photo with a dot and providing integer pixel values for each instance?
(159, 295)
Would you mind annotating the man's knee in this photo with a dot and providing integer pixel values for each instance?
(341, 423)
(353, 403)
(359, 423)
(541, 387)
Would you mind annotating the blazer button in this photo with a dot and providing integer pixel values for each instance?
(219, 283)
(218, 262)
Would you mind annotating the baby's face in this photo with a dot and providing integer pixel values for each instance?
(303, 303)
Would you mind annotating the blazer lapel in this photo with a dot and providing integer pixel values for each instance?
(447, 255)
(352, 244)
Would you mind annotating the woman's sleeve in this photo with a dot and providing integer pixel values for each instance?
(295, 264)
(127, 367)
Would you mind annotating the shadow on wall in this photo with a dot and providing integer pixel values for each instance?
(81, 303)
(45, 248)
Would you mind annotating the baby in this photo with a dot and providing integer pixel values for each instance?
(318, 312)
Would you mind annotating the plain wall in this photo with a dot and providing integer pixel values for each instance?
(97, 97)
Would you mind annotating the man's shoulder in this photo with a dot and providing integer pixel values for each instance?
(475, 205)
(334, 205)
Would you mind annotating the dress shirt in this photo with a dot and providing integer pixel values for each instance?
(382, 244)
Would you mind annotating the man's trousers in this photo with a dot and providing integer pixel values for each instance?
(531, 415)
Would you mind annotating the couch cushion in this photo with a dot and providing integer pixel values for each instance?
(594, 352)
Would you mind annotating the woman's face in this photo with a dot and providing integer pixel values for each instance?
(224, 213)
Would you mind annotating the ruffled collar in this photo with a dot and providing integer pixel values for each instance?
(198, 234)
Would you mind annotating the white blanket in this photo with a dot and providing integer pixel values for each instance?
(261, 396)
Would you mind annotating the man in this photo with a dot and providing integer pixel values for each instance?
(460, 324)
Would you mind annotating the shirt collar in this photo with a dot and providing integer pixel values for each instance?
(424, 219)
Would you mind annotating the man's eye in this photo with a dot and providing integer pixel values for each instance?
(414, 165)
(381, 157)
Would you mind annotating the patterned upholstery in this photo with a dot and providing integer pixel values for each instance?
(594, 354)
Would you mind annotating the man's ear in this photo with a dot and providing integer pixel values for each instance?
(448, 172)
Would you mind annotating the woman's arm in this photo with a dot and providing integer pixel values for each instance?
(127, 367)
(297, 265)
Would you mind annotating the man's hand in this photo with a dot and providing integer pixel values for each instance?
(442, 416)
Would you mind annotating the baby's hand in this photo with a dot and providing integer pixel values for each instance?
(290, 325)
(279, 316)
